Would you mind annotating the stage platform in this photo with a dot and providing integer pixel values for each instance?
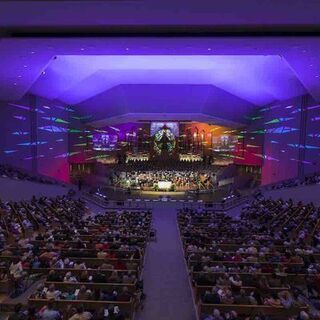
(122, 194)
(161, 193)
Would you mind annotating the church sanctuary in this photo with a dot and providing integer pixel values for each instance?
(159, 160)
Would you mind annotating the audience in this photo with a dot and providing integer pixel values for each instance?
(268, 256)
(6, 171)
(85, 257)
(291, 183)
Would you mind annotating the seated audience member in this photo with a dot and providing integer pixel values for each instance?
(82, 294)
(242, 298)
(52, 293)
(286, 299)
(212, 297)
(216, 315)
(81, 314)
(53, 276)
(124, 295)
(49, 313)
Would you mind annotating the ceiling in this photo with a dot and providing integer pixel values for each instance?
(61, 13)
(259, 79)
(222, 78)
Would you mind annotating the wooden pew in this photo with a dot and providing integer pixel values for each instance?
(64, 305)
(141, 244)
(191, 263)
(74, 253)
(243, 275)
(200, 290)
(198, 256)
(6, 286)
(75, 272)
(235, 247)
(65, 286)
(90, 262)
(277, 313)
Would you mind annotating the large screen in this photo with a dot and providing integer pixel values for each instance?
(224, 143)
(105, 141)
(156, 126)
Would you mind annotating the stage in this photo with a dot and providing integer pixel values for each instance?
(160, 193)
(123, 194)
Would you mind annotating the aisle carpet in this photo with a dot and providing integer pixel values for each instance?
(165, 275)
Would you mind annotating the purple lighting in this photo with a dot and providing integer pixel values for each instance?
(82, 77)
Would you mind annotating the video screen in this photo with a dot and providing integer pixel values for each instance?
(156, 126)
(224, 143)
(104, 141)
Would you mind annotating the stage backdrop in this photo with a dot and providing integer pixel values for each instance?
(173, 138)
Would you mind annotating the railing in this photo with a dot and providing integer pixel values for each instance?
(101, 200)
(218, 206)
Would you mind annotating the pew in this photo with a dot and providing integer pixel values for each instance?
(277, 313)
(65, 286)
(64, 305)
(200, 290)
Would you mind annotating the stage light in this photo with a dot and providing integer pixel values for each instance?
(20, 118)
(58, 120)
(20, 133)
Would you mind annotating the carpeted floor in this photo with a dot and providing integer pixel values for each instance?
(165, 276)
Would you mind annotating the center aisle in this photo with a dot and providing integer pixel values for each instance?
(165, 276)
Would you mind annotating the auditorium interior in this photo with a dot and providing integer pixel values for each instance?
(159, 160)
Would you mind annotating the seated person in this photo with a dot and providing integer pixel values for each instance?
(81, 314)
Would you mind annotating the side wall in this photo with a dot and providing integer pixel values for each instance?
(53, 124)
(35, 136)
(312, 145)
(15, 137)
(282, 130)
(289, 142)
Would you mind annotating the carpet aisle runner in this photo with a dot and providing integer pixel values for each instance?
(165, 276)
